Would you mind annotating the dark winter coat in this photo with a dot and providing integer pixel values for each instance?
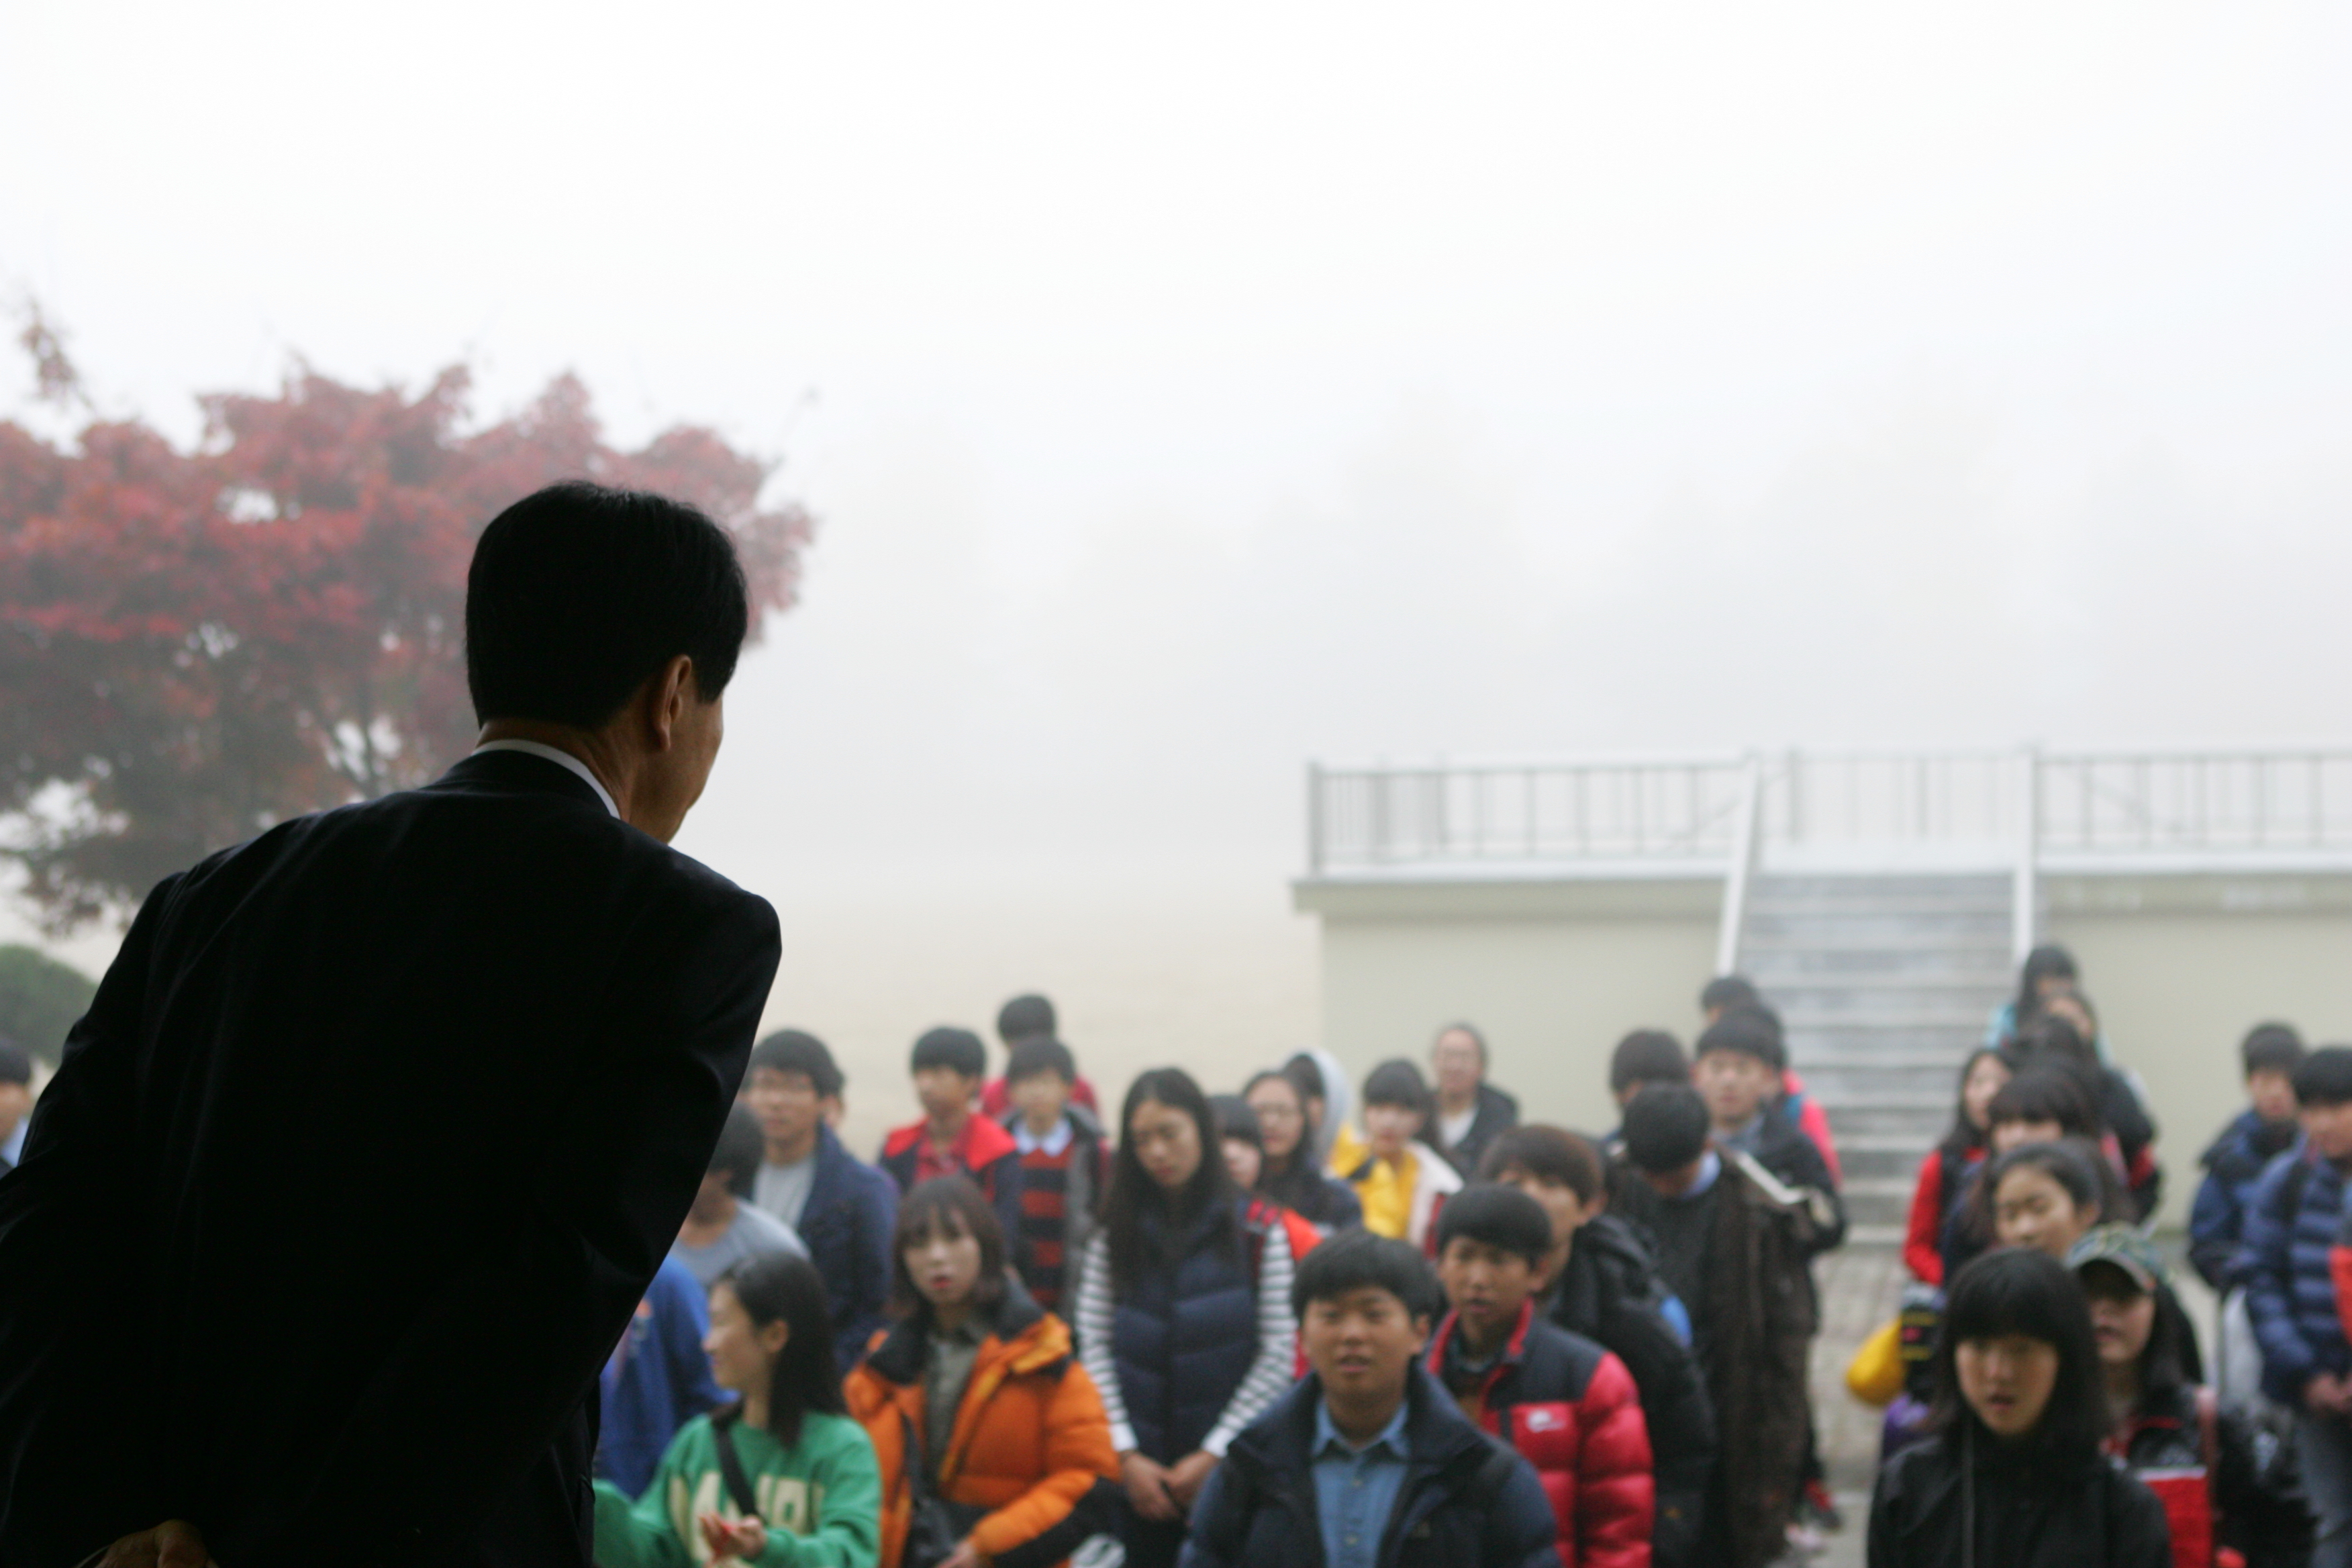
(1754, 1331)
(1497, 1114)
(2027, 1512)
(1609, 1293)
(1795, 1160)
(1467, 1500)
(2291, 1225)
(2217, 1221)
(1569, 1409)
(846, 1224)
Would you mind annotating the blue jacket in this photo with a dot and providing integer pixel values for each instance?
(1183, 1337)
(847, 1224)
(657, 1380)
(1467, 1500)
(2290, 1294)
(2234, 1163)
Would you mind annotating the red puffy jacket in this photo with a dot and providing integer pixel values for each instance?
(1572, 1411)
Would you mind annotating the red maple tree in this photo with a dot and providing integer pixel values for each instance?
(196, 644)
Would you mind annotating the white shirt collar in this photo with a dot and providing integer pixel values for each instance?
(1052, 1143)
(561, 758)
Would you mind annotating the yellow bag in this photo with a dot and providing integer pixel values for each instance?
(1875, 1375)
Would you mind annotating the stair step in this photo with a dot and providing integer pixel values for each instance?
(1764, 896)
(1777, 970)
(1864, 929)
(1892, 883)
(1884, 983)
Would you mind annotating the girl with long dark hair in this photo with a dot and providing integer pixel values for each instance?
(973, 1401)
(1184, 1318)
(1288, 1173)
(1944, 1173)
(2014, 1475)
(2039, 1107)
(779, 1474)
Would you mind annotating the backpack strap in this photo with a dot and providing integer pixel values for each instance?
(730, 1468)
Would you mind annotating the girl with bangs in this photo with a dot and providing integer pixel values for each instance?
(2014, 1475)
(992, 1439)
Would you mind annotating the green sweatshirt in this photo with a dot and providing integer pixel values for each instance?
(821, 1499)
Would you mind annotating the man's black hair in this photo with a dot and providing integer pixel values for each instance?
(1027, 1018)
(1729, 990)
(1236, 1119)
(1040, 1054)
(958, 1049)
(1665, 1128)
(1358, 1259)
(1745, 1031)
(579, 594)
(792, 1050)
(2015, 1291)
(2325, 1076)
(2271, 1048)
(1499, 1216)
(15, 1063)
(738, 1153)
(1647, 1055)
(1398, 1082)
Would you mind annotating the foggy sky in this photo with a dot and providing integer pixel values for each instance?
(1202, 390)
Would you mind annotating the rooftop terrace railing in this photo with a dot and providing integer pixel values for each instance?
(1688, 810)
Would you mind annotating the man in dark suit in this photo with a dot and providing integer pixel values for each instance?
(382, 1122)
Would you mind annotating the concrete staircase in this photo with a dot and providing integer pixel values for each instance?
(1883, 982)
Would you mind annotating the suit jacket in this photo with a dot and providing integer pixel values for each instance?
(375, 1134)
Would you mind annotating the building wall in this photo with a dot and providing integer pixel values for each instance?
(1553, 974)
(2180, 968)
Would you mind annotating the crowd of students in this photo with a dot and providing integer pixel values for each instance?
(2057, 1407)
(1272, 1326)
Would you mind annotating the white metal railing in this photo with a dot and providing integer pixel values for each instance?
(1383, 815)
(2021, 808)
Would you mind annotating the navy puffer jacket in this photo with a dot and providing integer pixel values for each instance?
(2290, 1291)
(1183, 1335)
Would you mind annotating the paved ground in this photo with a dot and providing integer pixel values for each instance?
(1861, 1287)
